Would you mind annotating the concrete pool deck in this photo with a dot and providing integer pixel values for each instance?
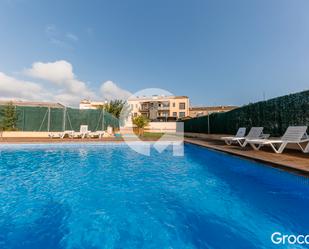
(291, 160)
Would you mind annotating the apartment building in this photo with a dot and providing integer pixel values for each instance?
(160, 108)
(156, 108)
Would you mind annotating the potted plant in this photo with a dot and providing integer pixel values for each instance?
(140, 122)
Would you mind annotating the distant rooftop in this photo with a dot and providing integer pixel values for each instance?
(157, 97)
(88, 101)
(212, 108)
(32, 103)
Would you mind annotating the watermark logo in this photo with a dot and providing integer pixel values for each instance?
(291, 239)
(158, 106)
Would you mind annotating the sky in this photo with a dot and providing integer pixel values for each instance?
(217, 52)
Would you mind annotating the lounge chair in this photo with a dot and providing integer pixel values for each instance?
(83, 132)
(240, 134)
(54, 135)
(60, 134)
(293, 135)
(110, 131)
(254, 133)
(98, 134)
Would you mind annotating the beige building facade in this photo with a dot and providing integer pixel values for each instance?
(160, 108)
(156, 108)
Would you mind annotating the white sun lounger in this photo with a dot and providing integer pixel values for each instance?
(293, 135)
(98, 134)
(61, 134)
(240, 134)
(83, 132)
(54, 135)
(110, 131)
(254, 133)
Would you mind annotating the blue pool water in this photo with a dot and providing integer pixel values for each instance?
(108, 196)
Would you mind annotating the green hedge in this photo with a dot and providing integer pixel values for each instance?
(275, 115)
(58, 119)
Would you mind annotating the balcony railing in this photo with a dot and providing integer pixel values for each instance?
(159, 108)
(144, 109)
(163, 108)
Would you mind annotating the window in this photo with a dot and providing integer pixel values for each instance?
(174, 114)
(182, 105)
(182, 114)
(174, 104)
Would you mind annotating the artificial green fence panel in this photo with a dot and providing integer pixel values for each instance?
(275, 115)
(56, 119)
(32, 118)
(95, 119)
(75, 118)
(59, 119)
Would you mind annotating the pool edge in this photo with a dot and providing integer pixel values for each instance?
(286, 168)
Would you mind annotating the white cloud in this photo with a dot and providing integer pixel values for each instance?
(66, 87)
(72, 37)
(56, 72)
(54, 36)
(109, 91)
(67, 99)
(51, 30)
(59, 73)
(19, 89)
(16, 89)
(58, 38)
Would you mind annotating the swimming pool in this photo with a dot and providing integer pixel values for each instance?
(108, 196)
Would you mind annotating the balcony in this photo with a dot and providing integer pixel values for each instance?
(163, 108)
(144, 109)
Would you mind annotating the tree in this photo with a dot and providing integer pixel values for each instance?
(114, 107)
(140, 121)
(9, 118)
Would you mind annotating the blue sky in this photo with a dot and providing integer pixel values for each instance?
(215, 51)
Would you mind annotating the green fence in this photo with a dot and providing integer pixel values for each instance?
(59, 119)
(275, 115)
